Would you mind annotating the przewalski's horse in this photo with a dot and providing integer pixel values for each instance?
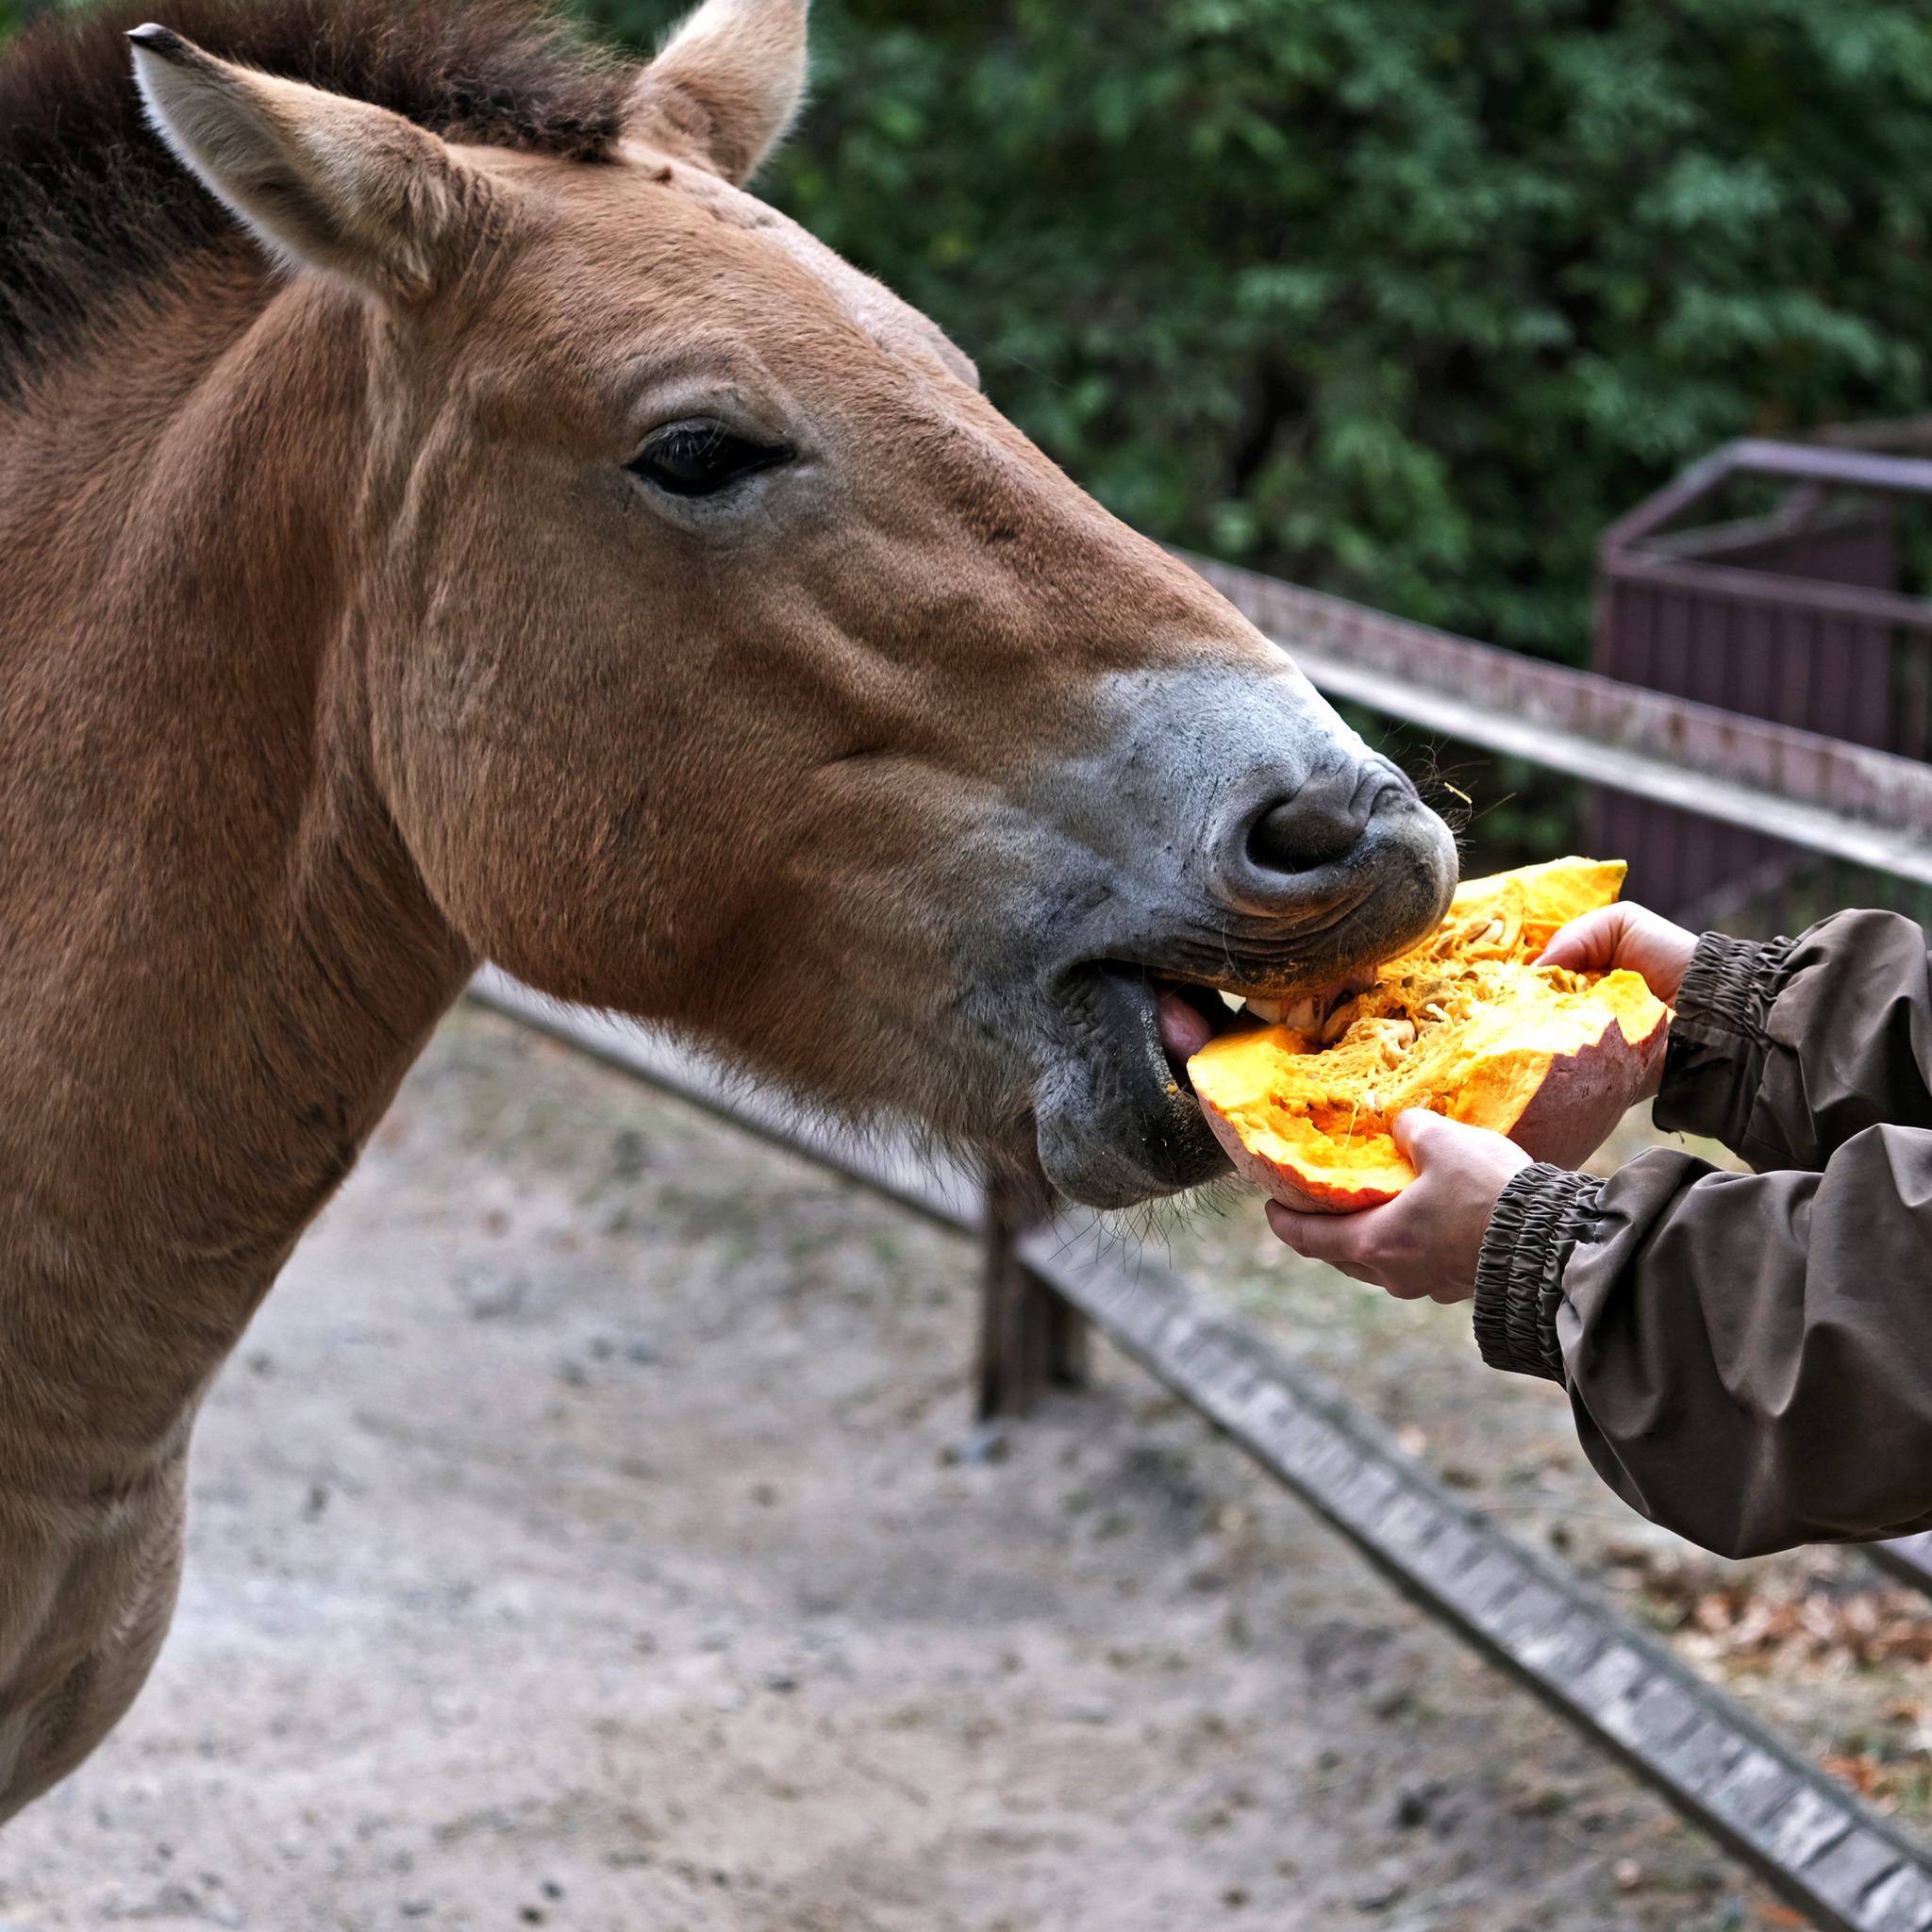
(442, 517)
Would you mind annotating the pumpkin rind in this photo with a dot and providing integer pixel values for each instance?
(1462, 1024)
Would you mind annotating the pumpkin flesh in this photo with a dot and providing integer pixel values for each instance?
(1463, 1023)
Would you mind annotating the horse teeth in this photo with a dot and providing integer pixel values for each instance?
(1302, 1014)
(1338, 1023)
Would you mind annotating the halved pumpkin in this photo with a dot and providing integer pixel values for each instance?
(1463, 1023)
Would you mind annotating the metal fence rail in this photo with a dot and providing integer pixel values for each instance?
(1823, 793)
(1804, 1833)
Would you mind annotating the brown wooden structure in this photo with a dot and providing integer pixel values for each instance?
(1791, 615)
(1031, 1337)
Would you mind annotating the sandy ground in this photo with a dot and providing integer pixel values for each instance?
(581, 1539)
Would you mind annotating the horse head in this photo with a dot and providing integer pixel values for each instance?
(726, 658)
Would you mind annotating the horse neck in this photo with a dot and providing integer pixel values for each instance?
(216, 958)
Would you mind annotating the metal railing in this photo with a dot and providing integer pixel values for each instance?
(1849, 801)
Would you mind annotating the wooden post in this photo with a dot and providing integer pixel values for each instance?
(1031, 1339)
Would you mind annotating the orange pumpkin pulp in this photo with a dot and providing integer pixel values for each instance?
(1464, 1024)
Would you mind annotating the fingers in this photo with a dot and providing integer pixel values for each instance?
(1317, 1236)
(1427, 1240)
(1589, 944)
(1627, 936)
(1337, 1241)
(1352, 1244)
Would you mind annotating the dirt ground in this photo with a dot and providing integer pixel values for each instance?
(581, 1537)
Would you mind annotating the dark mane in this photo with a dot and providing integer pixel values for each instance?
(91, 204)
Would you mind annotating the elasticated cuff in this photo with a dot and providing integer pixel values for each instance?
(1714, 1061)
(1543, 1214)
(1730, 984)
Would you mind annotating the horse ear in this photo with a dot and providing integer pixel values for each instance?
(727, 85)
(321, 179)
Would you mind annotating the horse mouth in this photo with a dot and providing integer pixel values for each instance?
(1138, 1027)
(1184, 1015)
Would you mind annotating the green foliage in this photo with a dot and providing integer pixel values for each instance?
(1406, 298)
(16, 13)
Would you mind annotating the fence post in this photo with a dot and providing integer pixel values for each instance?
(1031, 1339)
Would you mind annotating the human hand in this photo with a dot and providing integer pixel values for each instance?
(1427, 1240)
(1628, 936)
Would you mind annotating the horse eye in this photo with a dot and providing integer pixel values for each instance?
(702, 458)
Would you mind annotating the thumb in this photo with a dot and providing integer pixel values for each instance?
(1462, 1154)
(1421, 1134)
(1425, 1137)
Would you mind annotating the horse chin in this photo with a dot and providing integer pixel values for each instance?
(1115, 1120)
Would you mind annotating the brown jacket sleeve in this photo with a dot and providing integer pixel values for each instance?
(1749, 1357)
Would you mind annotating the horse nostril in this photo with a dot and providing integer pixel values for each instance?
(1322, 822)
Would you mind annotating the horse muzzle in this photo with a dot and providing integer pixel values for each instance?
(1270, 877)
